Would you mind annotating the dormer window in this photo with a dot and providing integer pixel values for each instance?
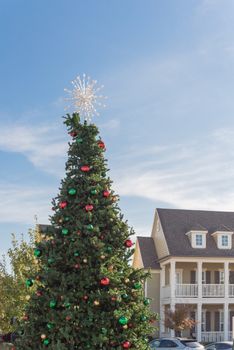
(223, 238)
(197, 238)
(224, 241)
(199, 241)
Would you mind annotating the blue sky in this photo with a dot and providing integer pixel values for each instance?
(168, 71)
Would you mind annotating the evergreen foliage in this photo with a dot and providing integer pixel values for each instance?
(89, 297)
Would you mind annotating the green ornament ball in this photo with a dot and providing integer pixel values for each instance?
(137, 285)
(50, 260)
(124, 296)
(109, 249)
(53, 304)
(37, 252)
(46, 342)
(72, 191)
(90, 227)
(29, 282)
(93, 191)
(67, 218)
(123, 320)
(143, 318)
(67, 305)
(146, 301)
(79, 140)
(76, 254)
(50, 325)
(65, 231)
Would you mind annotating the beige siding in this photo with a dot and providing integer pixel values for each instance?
(137, 259)
(153, 291)
(159, 238)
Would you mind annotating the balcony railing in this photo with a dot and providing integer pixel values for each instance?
(212, 336)
(213, 290)
(191, 290)
(186, 290)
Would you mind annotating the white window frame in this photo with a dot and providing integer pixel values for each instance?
(203, 321)
(198, 240)
(221, 276)
(204, 276)
(221, 320)
(180, 273)
(226, 239)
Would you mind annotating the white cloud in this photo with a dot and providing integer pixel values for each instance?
(21, 204)
(191, 176)
(43, 145)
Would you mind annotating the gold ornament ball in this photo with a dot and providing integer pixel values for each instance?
(110, 268)
(27, 297)
(102, 256)
(126, 280)
(125, 326)
(96, 302)
(85, 261)
(43, 336)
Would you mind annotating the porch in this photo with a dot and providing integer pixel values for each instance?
(194, 280)
(213, 322)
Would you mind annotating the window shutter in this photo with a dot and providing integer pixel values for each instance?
(207, 321)
(207, 277)
(217, 321)
(231, 277)
(192, 277)
(230, 323)
(217, 280)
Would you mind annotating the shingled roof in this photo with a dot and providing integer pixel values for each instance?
(177, 222)
(148, 252)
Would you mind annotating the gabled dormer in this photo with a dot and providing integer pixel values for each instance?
(197, 237)
(223, 237)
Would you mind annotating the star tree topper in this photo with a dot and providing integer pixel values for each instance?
(85, 98)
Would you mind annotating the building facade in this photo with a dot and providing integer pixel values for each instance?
(191, 257)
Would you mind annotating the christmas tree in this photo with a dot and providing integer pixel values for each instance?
(88, 296)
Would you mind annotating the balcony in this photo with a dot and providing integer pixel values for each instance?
(191, 291)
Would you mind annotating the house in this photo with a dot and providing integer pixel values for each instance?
(191, 257)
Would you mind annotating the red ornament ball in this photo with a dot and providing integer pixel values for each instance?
(101, 145)
(126, 344)
(85, 168)
(105, 281)
(76, 266)
(85, 297)
(73, 134)
(89, 207)
(106, 193)
(128, 243)
(63, 205)
(68, 318)
(38, 293)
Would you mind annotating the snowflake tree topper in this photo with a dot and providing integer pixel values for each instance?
(84, 97)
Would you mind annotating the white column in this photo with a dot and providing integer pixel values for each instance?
(162, 307)
(226, 325)
(172, 285)
(199, 278)
(162, 276)
(172, 307)
(199, 321)
(162, 319)
(226, 279)
(172, 280)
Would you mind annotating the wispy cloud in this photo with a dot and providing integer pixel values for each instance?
(195, 175)
(42, 145)
(22, 203)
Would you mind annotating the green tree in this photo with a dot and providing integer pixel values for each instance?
(13, 290)
(90, 297)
